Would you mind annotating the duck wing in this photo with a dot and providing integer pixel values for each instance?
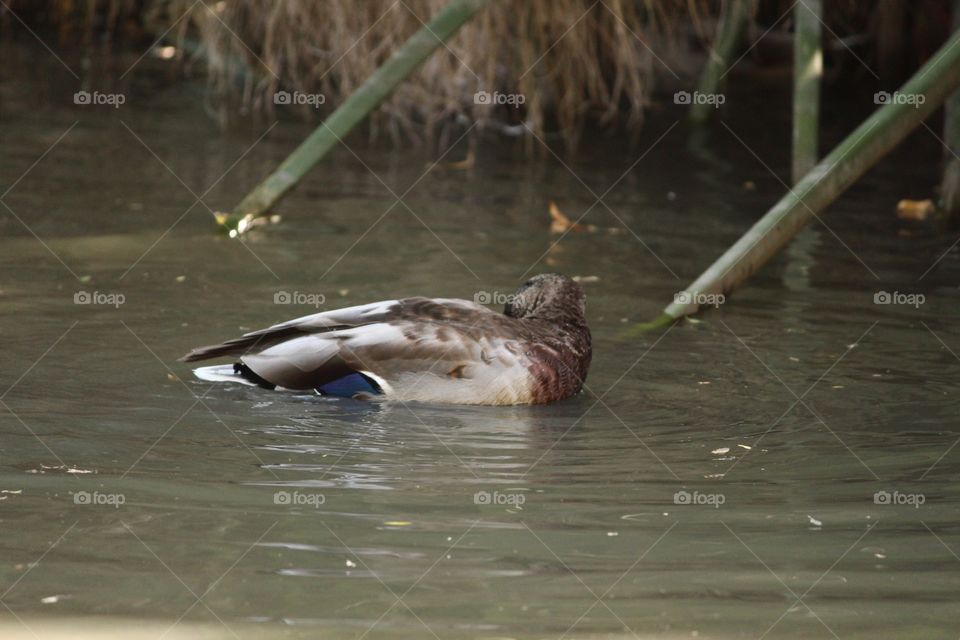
(315, 323)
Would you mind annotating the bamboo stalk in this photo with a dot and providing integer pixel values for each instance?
(355, 108)
(950, 185)
(859, 151)
(807, 70)
(729, 30)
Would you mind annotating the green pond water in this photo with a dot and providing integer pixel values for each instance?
(783, 468)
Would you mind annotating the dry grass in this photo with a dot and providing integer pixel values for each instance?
(577, 63)
(573, 61)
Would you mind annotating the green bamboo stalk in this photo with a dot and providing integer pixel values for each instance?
(355, 108)
(950, 185)
(807, 70)
(729, 30)
(888, 126)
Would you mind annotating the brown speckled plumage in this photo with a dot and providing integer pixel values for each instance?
(442, 350)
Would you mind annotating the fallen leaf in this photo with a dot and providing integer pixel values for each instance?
(915, 209)
(560, 223)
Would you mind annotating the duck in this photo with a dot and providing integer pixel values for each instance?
(436, 350)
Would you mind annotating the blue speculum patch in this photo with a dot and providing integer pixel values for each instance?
(350, 385)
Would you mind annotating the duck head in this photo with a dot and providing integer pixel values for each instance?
(549, 296)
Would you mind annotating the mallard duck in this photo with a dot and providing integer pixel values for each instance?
(424, 349)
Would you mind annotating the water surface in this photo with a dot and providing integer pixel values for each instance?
(716, 480)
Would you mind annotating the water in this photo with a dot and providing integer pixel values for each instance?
(137, 497)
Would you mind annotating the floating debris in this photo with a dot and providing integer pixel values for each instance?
(54, 599)
(44, 468)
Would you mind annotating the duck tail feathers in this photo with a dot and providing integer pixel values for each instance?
(256, 341)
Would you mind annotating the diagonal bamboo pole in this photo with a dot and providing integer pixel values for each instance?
(885, 129)
(361, 102)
